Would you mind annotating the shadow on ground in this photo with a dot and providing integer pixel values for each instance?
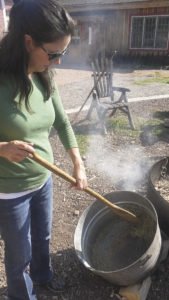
(80, 283)
(152, 134)
(87, 128)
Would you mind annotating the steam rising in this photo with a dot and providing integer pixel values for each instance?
(125, 169)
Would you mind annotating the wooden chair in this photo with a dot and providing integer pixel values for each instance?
(103, 96)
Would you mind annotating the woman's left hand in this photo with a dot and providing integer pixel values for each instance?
(80, 175)
(78, 169)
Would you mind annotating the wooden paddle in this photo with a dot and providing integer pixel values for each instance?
(53, 168)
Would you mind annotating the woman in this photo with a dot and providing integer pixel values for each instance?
(38, 36)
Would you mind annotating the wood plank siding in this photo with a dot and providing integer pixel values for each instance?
(86, 5)
(108, 26)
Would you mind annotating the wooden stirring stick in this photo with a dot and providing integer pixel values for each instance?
(125, 214)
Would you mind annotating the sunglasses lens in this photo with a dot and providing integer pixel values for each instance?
(54, 56)
(59, 55)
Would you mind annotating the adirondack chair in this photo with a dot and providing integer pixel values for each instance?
(104, 100)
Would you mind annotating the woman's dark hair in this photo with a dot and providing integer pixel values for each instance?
(45, 21)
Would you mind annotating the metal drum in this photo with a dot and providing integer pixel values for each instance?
(119, 251)
(159, 169)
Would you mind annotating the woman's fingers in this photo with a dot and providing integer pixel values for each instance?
(23, 146)
(81, 183)
(16, 150)
(81, 179)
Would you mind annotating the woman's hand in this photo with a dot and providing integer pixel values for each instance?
(78, 169)
(16, 151)
(80, 175)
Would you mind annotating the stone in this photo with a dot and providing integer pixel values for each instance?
(76, 213)
(136, 292)
(164, 251)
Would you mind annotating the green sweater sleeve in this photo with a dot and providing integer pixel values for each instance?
(62, 123)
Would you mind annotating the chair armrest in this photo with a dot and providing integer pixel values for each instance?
(120, 89)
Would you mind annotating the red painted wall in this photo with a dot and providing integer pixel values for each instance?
(8, 4)
(1, 20)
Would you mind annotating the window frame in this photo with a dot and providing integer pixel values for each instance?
(156, 27)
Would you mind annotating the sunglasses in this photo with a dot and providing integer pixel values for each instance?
(53, 56)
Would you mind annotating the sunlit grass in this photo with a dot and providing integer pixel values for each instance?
(156, 77)
(120, 126)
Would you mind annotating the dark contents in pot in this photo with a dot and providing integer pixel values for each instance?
(117, 243)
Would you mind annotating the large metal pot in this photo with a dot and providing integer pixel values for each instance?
(117, 250)
(159, 169)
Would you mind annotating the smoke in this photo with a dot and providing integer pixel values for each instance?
(125, 169)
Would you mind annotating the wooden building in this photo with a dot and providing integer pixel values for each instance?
(132, 27)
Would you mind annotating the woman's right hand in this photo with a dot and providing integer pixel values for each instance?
(16, 151)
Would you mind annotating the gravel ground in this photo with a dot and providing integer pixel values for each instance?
(106, 160)
(75, 85)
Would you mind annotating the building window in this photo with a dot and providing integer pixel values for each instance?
(149, 32)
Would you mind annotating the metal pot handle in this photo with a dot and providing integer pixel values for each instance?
(144, 260)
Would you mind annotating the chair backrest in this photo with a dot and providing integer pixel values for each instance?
(102, 68)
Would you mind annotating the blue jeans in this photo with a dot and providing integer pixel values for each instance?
(25, 226)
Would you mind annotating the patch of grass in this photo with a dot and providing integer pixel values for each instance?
(83, 141)
(148, 128)
(156, 77)
(120, 126)
(161, 115)
(149, 122)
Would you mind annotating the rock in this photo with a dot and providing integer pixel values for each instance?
(116, 297)
(136, 292)
(165, 250)
(76, 213)
(112, 294)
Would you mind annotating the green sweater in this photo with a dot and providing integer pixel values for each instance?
(19, 124)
